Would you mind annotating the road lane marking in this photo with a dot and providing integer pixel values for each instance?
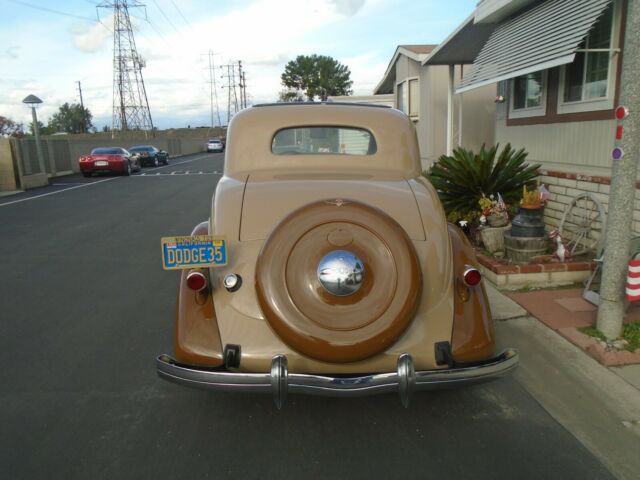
(99, 181)
(175, 174)
(59, 191)
(186, 161)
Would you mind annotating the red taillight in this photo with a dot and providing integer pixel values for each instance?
(472, 276)
(196, 280)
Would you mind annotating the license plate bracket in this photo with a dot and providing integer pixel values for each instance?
(198, 251)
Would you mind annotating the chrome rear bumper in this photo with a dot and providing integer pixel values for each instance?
(279, 381)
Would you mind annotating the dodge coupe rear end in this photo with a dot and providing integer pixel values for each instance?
(341, 274)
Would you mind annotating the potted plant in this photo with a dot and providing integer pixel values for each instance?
(494, 211)
(528, 222)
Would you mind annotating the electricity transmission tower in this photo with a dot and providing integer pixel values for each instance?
(213, 90)
(130, 103)
(235, 101)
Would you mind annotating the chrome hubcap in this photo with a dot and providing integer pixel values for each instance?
(341, 273)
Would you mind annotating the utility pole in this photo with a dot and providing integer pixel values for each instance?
(130, 102)
(241, 84)
(623, 184)
(84, 117)
(244, 89)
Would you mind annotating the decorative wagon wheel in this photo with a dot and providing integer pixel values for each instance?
(582, 224)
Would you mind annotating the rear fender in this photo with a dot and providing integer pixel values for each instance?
(196, 334)
(473, 335)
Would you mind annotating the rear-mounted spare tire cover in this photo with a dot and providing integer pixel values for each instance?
(329, 327)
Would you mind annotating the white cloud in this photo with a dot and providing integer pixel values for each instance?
(264, 34)
(92, 38)
(347, 7)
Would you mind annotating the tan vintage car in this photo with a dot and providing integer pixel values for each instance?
(343, 277)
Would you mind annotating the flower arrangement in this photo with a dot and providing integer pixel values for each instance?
(494, 211)
(530, 198)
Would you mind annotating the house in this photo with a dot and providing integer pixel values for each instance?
(555, 65)
(425, 92)
(382, 100)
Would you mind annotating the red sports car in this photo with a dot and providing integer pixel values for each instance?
(109, 160)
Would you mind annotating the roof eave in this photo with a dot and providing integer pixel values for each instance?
(389, 74)
(462, 45)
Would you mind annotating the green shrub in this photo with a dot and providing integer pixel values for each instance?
(462, 179)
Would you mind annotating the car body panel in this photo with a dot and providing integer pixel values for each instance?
(147, 155)
(260, 189)
(284, 193)
(115, 163)
(215, 145)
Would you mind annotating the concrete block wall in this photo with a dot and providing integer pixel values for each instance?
(61, 153)
(7, 174)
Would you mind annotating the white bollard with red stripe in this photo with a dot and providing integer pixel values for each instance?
(633, 280)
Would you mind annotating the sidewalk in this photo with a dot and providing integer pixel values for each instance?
(599, 405)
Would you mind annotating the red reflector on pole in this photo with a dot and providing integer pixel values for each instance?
(622, 113)
(619, 130)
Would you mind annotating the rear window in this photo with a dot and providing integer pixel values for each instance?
(106, 151)
(141, 149)
(323, 141)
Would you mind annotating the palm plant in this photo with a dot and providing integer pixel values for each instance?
(463, 179)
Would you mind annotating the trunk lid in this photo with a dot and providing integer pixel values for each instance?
(269, 198)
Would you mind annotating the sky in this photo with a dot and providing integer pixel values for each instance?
(46, 47)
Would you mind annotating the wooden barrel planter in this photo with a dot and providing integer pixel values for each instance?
(524, 249)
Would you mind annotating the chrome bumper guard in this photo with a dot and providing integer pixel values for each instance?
(279, 381)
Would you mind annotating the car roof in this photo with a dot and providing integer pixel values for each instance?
(252, 130)
(328, 102)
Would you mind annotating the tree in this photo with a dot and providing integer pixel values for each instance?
(290, 95)
(317, 76)
(9, 128)
(71, 118)
(41, 129)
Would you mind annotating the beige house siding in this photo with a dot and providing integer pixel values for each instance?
(575, 158)
(406, 68)
(577, 147)
(478, 113)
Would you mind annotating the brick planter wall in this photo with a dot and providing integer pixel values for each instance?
(511, 277)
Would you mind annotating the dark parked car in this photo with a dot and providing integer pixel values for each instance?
(109, 160)
(150, 155)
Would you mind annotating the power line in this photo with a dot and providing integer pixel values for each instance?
(181, 14)
(166, 17)
(51, 10)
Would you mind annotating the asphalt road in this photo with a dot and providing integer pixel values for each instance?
(85, 307)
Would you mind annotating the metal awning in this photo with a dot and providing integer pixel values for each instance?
(543, 37)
